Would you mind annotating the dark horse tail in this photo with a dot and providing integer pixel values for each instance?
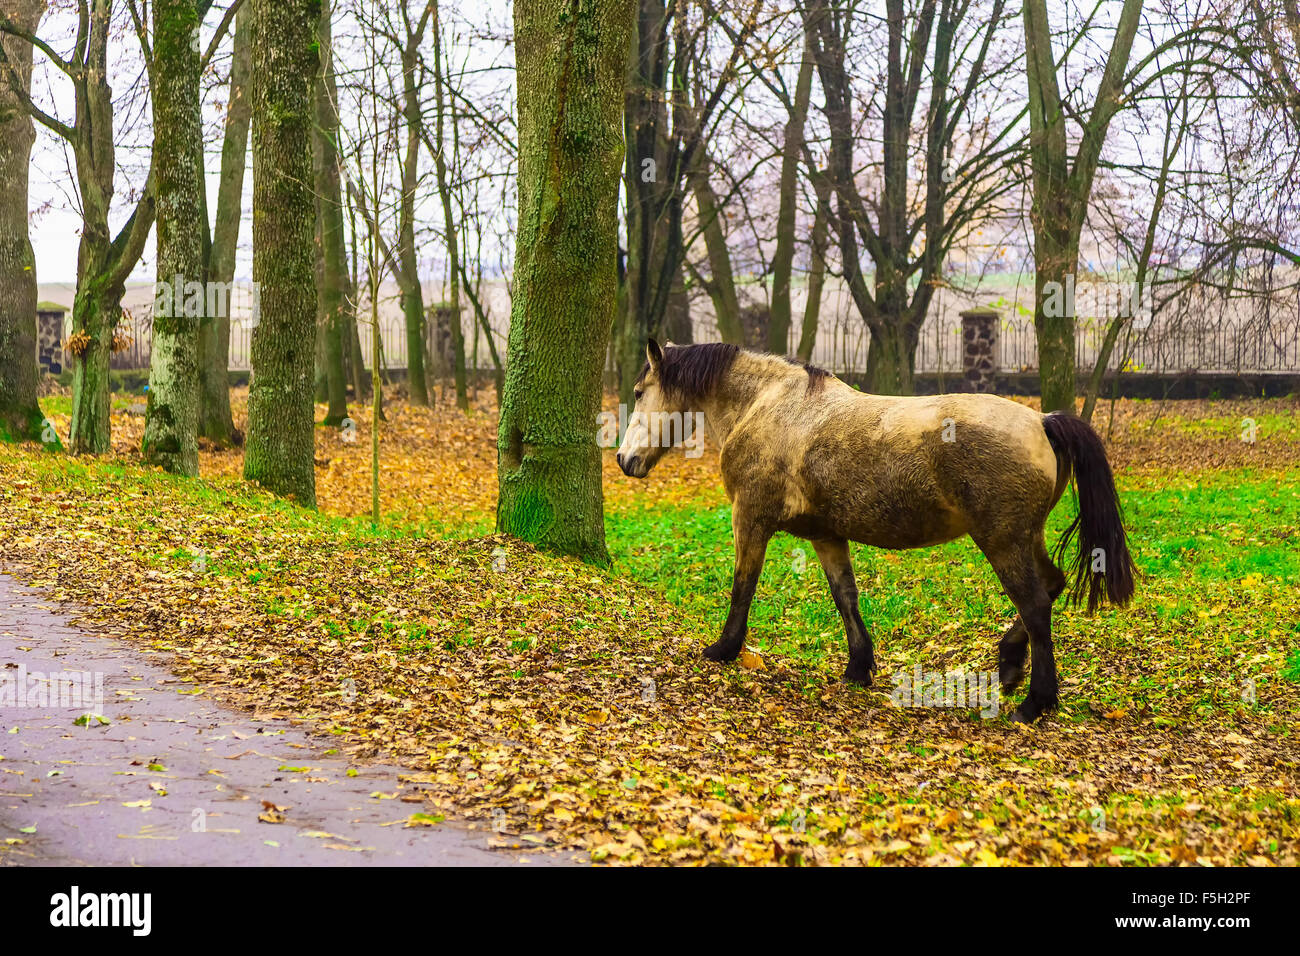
(1102, 566)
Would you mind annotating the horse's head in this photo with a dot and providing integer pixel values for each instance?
(649, 430)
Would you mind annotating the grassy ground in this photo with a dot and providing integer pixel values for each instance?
(573, 701)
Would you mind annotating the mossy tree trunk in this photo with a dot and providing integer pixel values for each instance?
(281, 442)
(172, 415)
(20, 412)
(215, 421)
(571, 68)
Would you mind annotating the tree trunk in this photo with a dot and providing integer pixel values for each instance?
(449, 225)
(354, 361)
(408, 272)
(817, 273)
(893, 348)
(331, 299)
(722, 283)
(215, 421)
(1055, 263)
(95, 311)
(103, 261)
(172, 415)
(651, 211)
(280, 449)
(20, 412)
(571, 66)
(778, 326)
(676, 326)
(1062, 187)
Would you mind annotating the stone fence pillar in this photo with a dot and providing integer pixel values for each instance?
(979, 337)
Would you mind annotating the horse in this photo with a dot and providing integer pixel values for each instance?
(803, 452)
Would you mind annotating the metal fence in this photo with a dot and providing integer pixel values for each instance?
(1199, 332)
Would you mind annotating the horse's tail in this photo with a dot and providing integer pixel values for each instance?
(1102, 566)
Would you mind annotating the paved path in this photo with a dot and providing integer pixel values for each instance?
(93, 799)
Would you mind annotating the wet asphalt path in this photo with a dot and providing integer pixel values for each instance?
(94, 800)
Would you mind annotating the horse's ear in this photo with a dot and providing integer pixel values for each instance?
(654, 355)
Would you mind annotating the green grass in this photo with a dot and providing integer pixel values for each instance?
(1278, 426)
(62, 404)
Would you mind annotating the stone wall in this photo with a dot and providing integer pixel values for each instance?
(49, 340)
(979, 338)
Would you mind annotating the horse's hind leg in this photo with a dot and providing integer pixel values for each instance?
(1018, 568)
(751, 546)
(1013, 648)
(834, 556)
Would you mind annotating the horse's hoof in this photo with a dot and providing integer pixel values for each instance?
(1010, 676)
(1030, 711)
(858, 675)
(722, 651)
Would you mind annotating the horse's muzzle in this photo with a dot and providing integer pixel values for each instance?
(633, 466)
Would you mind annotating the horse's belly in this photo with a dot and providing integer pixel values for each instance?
(894, 526)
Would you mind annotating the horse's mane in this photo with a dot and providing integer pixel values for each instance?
(816, 376)
(694, 371)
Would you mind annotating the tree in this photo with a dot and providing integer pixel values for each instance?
(20, 412)
(215, 421)
(778, 328)
(407, 271)
(1062, 185)
(281, 441)
(172, 413)
(666, 129)
(332, 292)
(571, 62)
(449, 223)
(104, 258)
(907, 230)
(817, 271)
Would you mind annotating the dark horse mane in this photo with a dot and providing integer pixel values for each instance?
(694, 371)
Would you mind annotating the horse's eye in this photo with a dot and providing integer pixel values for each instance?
(637, 394)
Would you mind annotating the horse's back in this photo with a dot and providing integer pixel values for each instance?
(910, 471)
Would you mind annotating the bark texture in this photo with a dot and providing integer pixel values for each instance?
(571, 61)
(172, 414)
(20, 413)
(280, 449)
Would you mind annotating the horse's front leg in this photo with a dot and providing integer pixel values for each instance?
(751, 547)
(834, 556)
